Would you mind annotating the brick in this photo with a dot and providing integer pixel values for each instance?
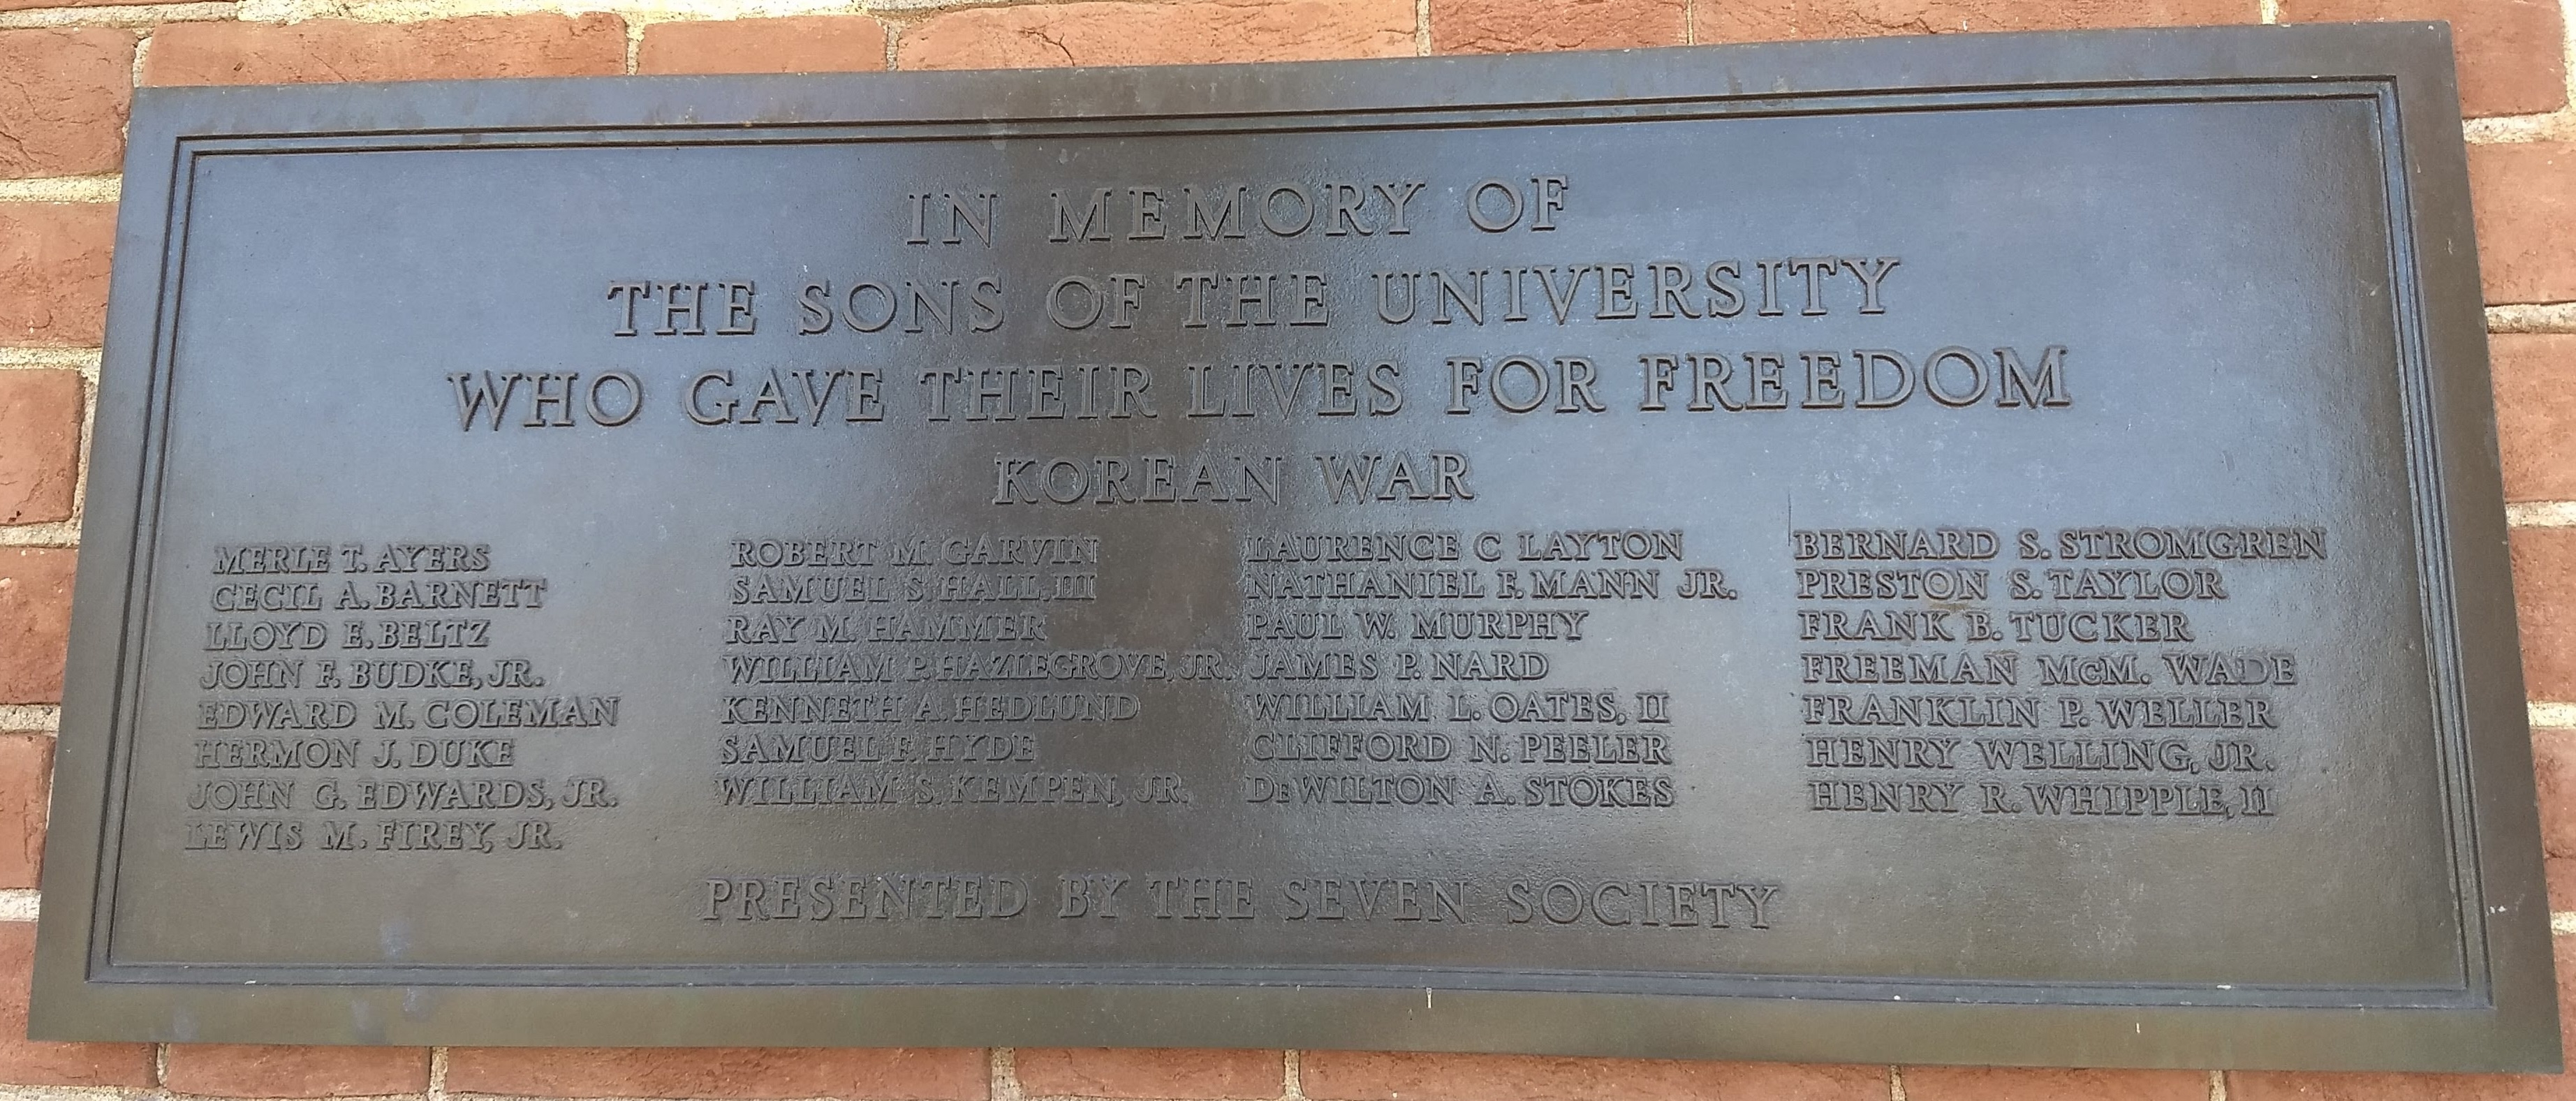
(53, 272)
(63, 93)
(864, 1074)
(2544, 595)
(1149, 1073)
(325, 50)
(2561, 874)
(25, 1062)
(2562, 951)
(2031, 1084)
(796, 44)
(2553, 760)
(1775, 20)
(1391, 1076)
(2245, 1085)
(26, 772)
(1514, 26)
(2535, 395)
(2525, 198)
(35, 622)
(40, 429)
(2511, 60)
(1118, 33)
(266, 1070)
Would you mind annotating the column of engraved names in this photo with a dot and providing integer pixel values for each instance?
(353, 701)
(1423, 668)
(2072, 672)
(1422, 671)
(917, 669)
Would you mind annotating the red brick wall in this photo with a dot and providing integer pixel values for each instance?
(67, 68)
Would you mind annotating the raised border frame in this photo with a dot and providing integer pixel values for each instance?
(2504, 1017)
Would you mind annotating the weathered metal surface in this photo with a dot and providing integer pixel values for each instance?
(1984, 549)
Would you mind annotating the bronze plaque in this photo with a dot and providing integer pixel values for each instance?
(1983, 549)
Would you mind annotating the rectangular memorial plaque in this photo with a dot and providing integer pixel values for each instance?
(1983, 549)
